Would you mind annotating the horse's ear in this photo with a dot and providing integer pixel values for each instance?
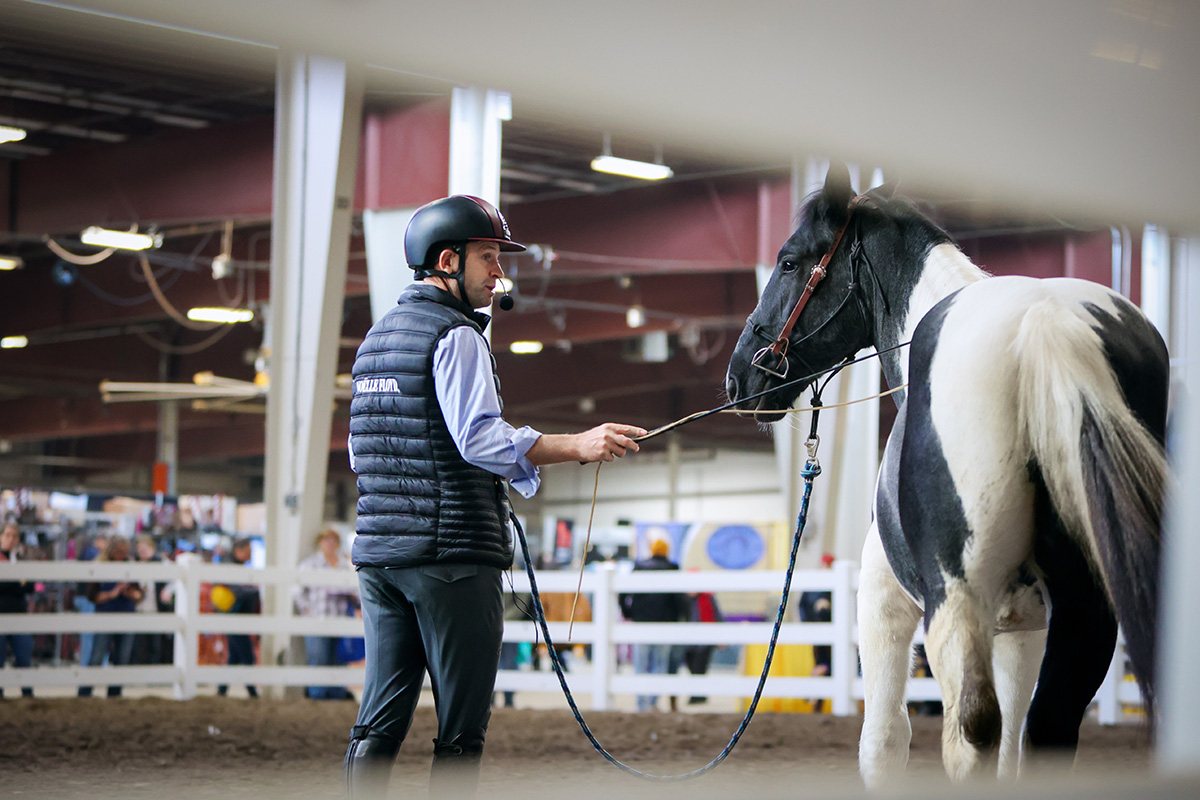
(886, 191)
(838, 191)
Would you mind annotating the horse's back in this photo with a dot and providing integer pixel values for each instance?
(997, 316)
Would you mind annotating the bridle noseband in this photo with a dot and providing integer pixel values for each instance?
(779, 347)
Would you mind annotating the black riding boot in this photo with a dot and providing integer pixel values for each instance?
(455, 772)
(369, 761)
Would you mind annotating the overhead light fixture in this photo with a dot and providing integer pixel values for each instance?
(11, 134)
(121, 240)
(223, 315)
(631, 169)
(10, 262)
(525, 348)
(635, 317)
(13, 342)
(504, 285)
(645, 170)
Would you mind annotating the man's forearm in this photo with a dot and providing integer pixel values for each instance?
(602, 443)
(554, 448)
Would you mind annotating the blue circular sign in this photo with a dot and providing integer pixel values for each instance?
(735, 547)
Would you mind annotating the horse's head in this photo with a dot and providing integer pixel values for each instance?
(832, 323)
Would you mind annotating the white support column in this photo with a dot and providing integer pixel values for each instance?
(317, 124)
(1156, 278)
(387, 268)
(789, 438)
(840, 509)
(476, 117)
(1178, 745)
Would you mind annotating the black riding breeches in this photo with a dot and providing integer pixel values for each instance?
(446, 619)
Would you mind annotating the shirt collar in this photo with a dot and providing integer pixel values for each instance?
(426, 292)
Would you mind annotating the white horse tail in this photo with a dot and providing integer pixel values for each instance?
(1104, 471)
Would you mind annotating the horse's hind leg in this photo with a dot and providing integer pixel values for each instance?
(887, 620)
(1016, 659)
(1079, 648)
(958, 642)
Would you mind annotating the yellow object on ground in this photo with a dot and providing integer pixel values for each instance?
(791, 660)
(222, 597)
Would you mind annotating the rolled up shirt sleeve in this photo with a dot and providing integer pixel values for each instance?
(466, 391)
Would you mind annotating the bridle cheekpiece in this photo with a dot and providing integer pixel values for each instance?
(777, 350)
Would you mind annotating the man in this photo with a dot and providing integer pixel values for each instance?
(432, 452)
(654, 607)
(246, 600)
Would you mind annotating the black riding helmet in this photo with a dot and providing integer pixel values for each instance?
(450, 222)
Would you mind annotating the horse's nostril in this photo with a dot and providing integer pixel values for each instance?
(731, 388)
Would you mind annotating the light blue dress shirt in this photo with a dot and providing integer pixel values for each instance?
(466, 391)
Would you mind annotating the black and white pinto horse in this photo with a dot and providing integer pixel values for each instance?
(1019, 501)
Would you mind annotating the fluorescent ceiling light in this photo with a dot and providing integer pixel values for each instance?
(635, 317)
(525, 348)
(226, 315)
(10, 262)
(122, 240)
(633, 169)
(12, 342)
(11, 134)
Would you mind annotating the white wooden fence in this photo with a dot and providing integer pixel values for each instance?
(604, 633)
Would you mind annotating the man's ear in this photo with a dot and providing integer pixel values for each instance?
(447, 261)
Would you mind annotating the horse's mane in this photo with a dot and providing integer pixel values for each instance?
(814, 231)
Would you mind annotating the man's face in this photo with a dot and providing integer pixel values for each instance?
(482, 271)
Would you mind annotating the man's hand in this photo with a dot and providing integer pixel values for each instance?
(603, 443)
(607, 442)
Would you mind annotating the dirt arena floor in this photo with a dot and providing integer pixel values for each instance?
(224, 748)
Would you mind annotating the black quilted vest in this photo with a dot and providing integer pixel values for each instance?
(419, 501)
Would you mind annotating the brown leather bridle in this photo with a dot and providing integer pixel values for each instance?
(779, 347)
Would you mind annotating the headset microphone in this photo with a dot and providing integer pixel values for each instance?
(506, 302)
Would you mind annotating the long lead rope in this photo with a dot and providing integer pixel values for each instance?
(830, 372)
(812, 468)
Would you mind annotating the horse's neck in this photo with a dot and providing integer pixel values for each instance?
(946, 270)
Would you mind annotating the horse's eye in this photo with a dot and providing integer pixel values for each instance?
(787, 266)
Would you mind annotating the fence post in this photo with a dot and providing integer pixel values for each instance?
(187, 606)
(845, 659)
(604, 606)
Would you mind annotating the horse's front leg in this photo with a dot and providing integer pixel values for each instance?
(887, 620)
